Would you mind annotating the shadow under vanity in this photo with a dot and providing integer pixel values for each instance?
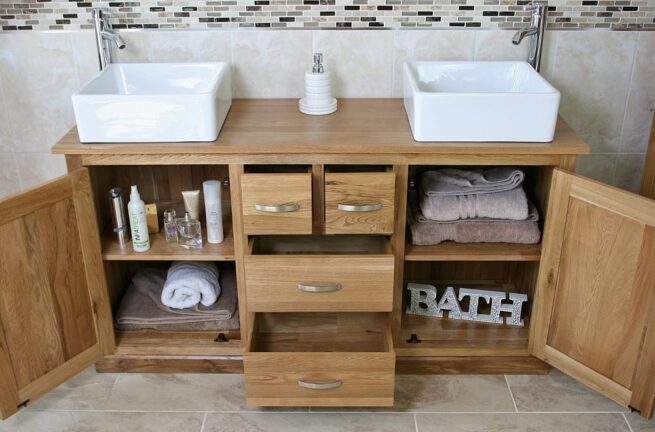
(316, 237)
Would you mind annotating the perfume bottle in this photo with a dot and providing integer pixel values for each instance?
(189, 232)
(170, 227)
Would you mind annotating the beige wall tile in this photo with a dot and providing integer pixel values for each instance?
(6, 126)
(270, 64)
(38, 79)
(44, 421)
(599, 167)
(521, 422)
(37, 168)
(138, 48)
(299, 422)
(429, 45)
(548, 54)
(497, 45)
(9, 180)
(557, 392)
(629, 171)
(191, 46)
(360, 62)
(592, 71)
(85, 54)
(641, 101)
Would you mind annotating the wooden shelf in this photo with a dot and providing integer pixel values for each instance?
(162, 251)
(154, 343)
(450, 251)
(453, 338)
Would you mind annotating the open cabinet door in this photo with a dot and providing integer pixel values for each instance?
(594, 308)
(55, 317)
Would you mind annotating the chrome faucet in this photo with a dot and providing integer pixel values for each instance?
(105, 36)
(536, 30)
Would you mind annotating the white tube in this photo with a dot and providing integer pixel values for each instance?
(192, 203)
(213, 210)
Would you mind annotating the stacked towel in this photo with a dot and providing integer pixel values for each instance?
(141, 307)
(473, 206)
(191, 283)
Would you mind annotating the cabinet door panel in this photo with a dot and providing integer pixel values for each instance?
(596, 285)
(54, 311)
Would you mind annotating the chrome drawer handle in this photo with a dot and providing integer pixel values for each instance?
(359, 208)
(319, 288)
(319, 386)
(282, 208)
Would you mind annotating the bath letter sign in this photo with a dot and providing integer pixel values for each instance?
(424, 302)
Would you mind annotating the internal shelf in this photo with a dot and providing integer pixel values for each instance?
(160, 250)
(450, 251)
(149, 342)
(444, 337)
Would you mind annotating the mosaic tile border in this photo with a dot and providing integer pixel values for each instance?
(312, 14)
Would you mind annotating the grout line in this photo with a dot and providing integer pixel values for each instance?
(627, 422)
(627, 98)
(511, 394)
(113, 387)
(202, 426)
(415, 423)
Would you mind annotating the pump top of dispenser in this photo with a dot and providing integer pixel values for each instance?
(318, 63)
(134, 194)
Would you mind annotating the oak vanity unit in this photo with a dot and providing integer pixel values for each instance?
(316, 239)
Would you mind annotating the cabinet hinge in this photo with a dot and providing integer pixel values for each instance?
(413, 339)
(221, 338)
(634, 410)
(23, 404)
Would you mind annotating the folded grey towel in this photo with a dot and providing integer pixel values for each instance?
(511, 204)
(480, 230)
(453, 181)
(141, 307)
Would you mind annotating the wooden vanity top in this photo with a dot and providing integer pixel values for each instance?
(373, 127)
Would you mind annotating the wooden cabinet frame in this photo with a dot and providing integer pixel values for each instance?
(361, 132)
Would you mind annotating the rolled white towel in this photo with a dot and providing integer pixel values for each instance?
(190, 283)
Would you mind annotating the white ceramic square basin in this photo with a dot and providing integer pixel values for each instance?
(154, 102)
(479, 101)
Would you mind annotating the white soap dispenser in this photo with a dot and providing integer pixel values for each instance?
(318, 98)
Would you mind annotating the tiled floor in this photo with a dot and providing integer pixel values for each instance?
(426, 403)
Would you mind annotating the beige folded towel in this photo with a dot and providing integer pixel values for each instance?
(511, 204)
(141, 307)
(480, 230)
(453, 181)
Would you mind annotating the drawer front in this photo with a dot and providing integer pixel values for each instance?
(319, 379)
(359, 203)
(277, 203)
(319, 283)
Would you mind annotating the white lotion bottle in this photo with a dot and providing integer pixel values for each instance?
(213, 210)
(136, 209)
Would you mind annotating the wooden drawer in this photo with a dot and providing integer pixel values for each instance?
(277, 203)
(320, 360)
(348, 274)
(359, 203)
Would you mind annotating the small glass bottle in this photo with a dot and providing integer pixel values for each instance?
(189, 232)
(170, 227)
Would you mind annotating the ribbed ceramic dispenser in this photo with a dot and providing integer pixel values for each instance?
(318, 98)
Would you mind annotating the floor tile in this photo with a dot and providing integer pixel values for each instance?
(453, 393)
(180, 392)
(640, 424)
(557, 392)
(521, 423)
(69, 421)
(292, 422)
(88, 390)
